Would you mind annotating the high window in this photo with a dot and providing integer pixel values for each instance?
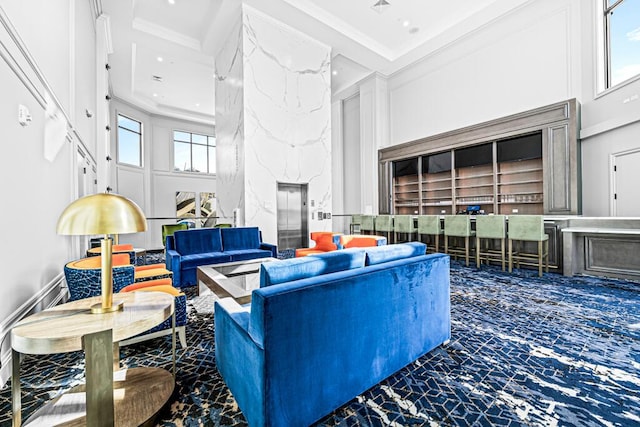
(129, 141)
(622, 40)
(193, 152)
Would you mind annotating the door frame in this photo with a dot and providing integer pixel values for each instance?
(613, 206)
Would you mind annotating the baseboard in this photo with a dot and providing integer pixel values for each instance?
(50, 295)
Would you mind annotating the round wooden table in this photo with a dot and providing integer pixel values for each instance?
(125, 397)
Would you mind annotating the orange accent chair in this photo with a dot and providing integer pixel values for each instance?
(326, 241)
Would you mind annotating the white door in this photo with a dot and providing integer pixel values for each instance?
(626, 176)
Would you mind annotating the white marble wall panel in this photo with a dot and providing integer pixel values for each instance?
(287, 120)
(230, 164)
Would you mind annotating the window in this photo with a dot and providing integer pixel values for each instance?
(129, 141)
(193, 152)
(622, 40)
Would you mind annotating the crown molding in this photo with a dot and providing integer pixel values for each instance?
(166, 34)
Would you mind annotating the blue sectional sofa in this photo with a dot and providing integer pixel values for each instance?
(186, 250)
(324, 328)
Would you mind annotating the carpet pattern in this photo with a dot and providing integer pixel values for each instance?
(525, 351)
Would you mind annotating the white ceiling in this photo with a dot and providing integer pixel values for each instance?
(187, 33)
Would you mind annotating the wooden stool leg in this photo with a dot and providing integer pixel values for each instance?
(477, 252)
(446, 244)
(466, 250)
(540, 255)
(502, 252)
(510, 255)
(437, 242)
(547, 254)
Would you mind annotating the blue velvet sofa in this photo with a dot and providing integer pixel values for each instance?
(324, 328)
(186, 250)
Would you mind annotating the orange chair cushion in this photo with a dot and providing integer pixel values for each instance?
(152, 272)
(94, 261)
(149, 266)
(114, 248)
(355, 241)
(146, 286)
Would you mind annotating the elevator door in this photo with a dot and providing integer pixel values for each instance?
(292, 216)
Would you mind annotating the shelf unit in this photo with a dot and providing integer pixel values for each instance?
(502, 177)
(520, 187)
(436, 193)
(475, 186)
(407, 194)
(523, 163)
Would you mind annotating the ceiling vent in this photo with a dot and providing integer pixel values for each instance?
(157, 78)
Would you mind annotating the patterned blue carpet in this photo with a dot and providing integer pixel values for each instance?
(524, 351)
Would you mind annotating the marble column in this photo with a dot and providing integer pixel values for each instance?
(273, 121)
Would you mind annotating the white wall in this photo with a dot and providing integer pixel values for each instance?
(38, 165)
(351, 154)
(520, 62)
(544, 52)
(153, 187)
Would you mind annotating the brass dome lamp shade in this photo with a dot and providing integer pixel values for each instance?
(105, 214)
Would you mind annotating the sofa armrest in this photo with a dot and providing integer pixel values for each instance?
(239, 359)
(270, 247)
(172, 262)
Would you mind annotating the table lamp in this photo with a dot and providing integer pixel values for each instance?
(104, 213)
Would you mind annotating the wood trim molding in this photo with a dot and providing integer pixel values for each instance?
(32, 305)
(527, 121)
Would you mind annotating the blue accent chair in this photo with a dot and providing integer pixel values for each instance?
(85, 282)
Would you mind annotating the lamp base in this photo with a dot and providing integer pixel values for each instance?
(99, 309)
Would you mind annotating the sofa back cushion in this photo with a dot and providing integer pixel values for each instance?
(198, 241)
(380, 254)
(273, 273)
(238, 238)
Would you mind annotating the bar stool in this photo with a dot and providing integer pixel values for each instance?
(458, 226)
(490, 227)
(367, 224)
(384, 224)
(356, 224)
(528, 228)
(403, 224)
(430, 226)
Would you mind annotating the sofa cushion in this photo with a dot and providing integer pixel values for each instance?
(245, 254)
(288, 270)
(196, 260)
(188, 242)
(380, 254)
(238, 238)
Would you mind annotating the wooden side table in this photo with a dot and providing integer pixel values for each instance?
(131, 396)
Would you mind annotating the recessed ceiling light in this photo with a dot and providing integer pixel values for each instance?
(160, 59)
(406, 23)
(172, 1)
(197, 104)
(334, 72)
(155, 95)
